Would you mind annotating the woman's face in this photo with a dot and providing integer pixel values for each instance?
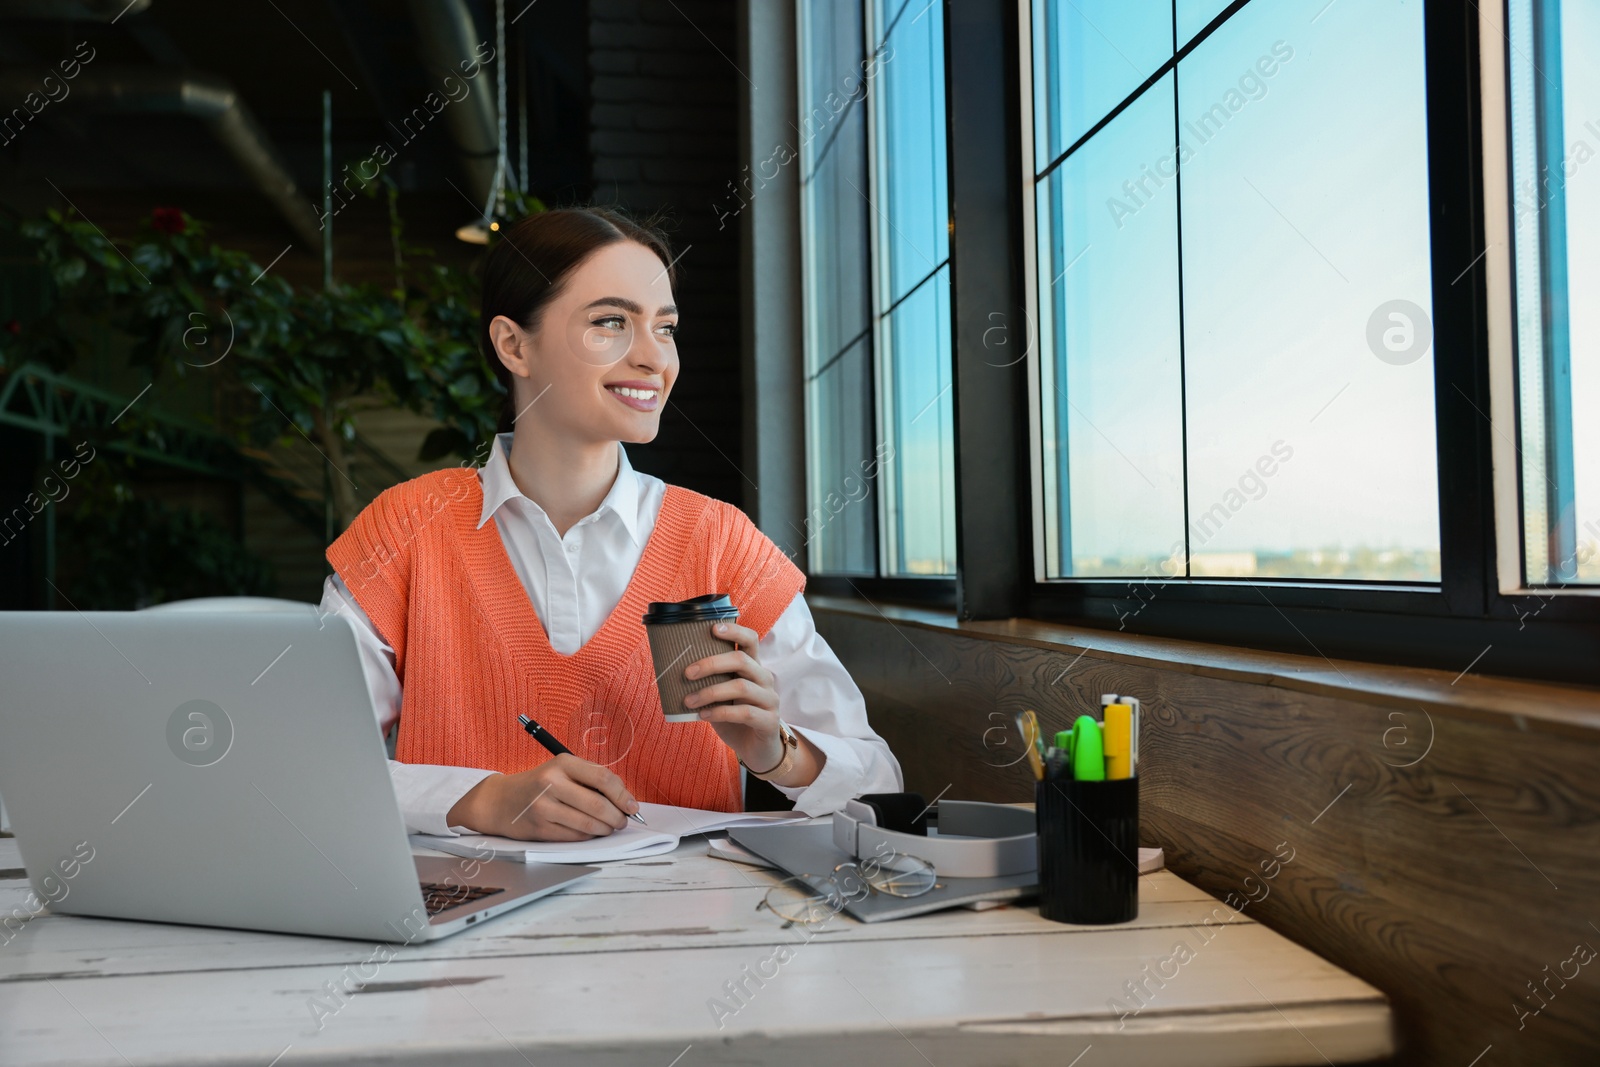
(603, 358)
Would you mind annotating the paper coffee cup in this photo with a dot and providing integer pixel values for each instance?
(680, 634)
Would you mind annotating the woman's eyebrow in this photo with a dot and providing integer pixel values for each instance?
(628, 305)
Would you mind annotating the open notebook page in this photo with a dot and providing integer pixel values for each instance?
(668, 824)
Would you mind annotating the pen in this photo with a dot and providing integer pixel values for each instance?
(1028, 724)
(556, 748)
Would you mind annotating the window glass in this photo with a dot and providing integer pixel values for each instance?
(837, 216)
(912, 248)
(912, 172)
(1306, 294)
(1193, 15)
(920, 490)
(840, 523)
(1108, 298)
(876, 248)
(836, 279)
(1089, 55)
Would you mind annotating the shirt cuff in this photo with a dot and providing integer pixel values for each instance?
(426, 792)
(838, 781)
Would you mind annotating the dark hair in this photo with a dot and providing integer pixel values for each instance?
(530, 261)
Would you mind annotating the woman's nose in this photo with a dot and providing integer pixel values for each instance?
(651, 352)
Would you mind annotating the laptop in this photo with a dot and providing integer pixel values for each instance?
(222, 767)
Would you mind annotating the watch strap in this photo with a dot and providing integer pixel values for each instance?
(790, 744)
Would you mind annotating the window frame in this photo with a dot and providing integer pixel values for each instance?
(1504, 338)
(1444, 625)
(1474, 619)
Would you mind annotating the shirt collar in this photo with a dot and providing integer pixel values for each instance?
(498, 487)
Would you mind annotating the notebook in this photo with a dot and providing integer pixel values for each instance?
(669, 824)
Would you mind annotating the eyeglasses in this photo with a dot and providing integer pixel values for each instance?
(809, 898)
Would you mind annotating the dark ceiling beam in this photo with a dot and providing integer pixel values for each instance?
(212, 100)
(156, 42)
(358, 25)
(71, 10)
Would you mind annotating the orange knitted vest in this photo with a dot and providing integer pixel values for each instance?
(472, 655)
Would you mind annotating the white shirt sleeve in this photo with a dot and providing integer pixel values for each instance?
(817, 696)
(426, 792)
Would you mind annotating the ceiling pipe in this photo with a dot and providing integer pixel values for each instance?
(212, 100)
(446, 35)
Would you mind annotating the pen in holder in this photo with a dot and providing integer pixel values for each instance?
(1088, 850)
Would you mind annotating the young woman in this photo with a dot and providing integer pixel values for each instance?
(478, 595)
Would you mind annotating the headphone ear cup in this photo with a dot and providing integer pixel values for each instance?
(905, 813)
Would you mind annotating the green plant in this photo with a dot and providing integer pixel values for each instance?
(120, 551)
(183, 305)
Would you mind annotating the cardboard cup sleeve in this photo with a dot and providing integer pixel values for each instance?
(675, 645)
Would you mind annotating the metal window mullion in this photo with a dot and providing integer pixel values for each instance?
(879, 348)
(1556, 354)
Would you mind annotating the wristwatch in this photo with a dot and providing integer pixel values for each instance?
(791, 745)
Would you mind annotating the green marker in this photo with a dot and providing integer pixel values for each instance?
(1088, 750)
(1064, 743)
(1058, 761)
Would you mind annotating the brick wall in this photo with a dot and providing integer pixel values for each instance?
(664, 134)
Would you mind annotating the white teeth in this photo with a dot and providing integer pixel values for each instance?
(636, 394)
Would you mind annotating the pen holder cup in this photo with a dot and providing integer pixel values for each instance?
(1088, 850)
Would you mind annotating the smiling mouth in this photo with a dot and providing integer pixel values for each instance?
(638, 399)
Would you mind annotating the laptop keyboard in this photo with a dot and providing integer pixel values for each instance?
(438, 897)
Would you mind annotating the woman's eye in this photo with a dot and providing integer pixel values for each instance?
(671, 328)
(614, 322)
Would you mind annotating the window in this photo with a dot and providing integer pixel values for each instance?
(1233, 277)
(1309, 365)
(875, 248)
(1554, 104)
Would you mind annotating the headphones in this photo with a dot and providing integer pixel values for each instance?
(974, 839)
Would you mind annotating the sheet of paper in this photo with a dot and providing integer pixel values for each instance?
(668, 824)
(686, 822)
(629, 842)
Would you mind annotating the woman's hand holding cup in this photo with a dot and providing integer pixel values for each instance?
(744, 709)
(707, 670)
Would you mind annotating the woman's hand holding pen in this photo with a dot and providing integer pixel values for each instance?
(744, 709)
(563, 799)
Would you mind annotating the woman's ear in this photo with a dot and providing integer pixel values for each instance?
(507, 338)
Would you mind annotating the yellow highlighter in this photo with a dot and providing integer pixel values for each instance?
(1119, 740)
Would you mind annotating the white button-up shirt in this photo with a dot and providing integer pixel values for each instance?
(574, 582)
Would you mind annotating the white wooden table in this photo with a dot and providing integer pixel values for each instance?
(622, 968)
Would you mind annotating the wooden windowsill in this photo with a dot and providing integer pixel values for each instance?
(1547, 707)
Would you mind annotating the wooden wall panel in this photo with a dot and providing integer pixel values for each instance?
(1448, 856)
